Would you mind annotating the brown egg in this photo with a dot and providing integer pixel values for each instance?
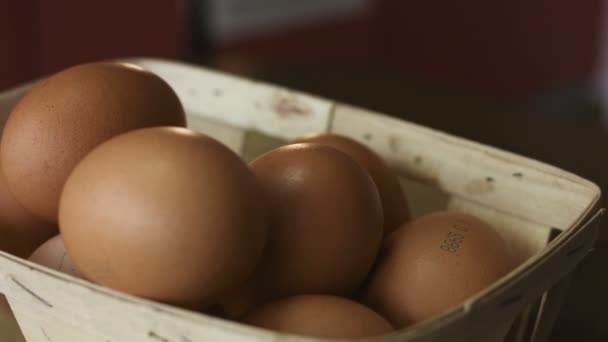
(52, 254)
(394, 203)
(164, 213)
(326, 225)
(20, 232)
(320, 316)
(64, 117)
(434, 264)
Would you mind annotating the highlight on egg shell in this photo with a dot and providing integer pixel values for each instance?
(164, 213)
(394, 203)
(62, 118)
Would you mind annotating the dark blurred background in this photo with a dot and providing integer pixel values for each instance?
(529, 76)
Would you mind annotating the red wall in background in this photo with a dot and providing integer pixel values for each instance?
(14, 34)
(501, 48)
(498, 48)
(38, 37)
(505, 48)
(8, 43)
(347, 38)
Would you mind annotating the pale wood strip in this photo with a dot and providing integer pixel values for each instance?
(230, 136)
(513, 184)
(242, 103)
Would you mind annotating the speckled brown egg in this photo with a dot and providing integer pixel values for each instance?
(20, 232)
(52, 254)
(164, 213)
(319, 316)
(325, 224)
(434, 264)
(65, 116)
(394, 202)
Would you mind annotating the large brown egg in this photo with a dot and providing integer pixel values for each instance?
(394, 203)
(65, 116)
(164, 213)
(52, 254)
(319, 316)
(20, 232)
(325, 224)
(434, 264)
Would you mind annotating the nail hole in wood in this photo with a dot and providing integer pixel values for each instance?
(489, 179)
(368, 136)
(518, 174)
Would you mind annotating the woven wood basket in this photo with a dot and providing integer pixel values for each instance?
(549, 216)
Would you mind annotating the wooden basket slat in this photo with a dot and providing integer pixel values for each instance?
(69, 301)
(244, 103)
(480, 173)
(37, 327)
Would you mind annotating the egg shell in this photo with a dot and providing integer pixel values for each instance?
(52, 254)
(319, 316)
(394, 202)
(325, 225)
(65, 116)
(20, 232)
(435, 263)
(164, 213)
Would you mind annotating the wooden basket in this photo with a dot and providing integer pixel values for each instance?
(549, 216)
